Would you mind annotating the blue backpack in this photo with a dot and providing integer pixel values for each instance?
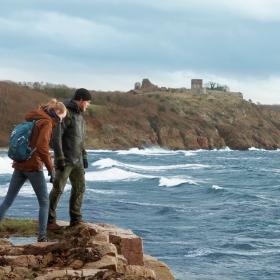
(19, 143)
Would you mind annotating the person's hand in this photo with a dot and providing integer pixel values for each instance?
(52, 175)
(60, 165)
(85, 162)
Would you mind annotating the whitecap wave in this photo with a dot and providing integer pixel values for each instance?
(108, 162)
(216, 187)
(187, 153)
(27, 190)
(256, 149)
(226, 149)
(155, 151)
(100, 151)
(6, 165)
(175, 181)
(115, 174)
(198, 253)
(107, 192)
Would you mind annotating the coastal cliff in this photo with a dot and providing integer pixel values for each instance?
(89, 251)
(175, 119)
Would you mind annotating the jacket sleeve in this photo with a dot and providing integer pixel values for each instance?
(57, 135)
(84, 152)
(57, 141)
(42, 144)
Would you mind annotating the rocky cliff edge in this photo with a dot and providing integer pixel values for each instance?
(88, 251)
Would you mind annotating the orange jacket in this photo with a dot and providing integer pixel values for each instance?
(40, 139)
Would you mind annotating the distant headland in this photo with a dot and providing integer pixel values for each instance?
(202, 117)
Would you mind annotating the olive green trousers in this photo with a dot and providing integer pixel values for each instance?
(76, 174)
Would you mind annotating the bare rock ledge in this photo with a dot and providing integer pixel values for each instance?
(88, 251)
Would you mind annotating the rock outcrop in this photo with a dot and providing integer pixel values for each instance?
(147, 85)
(89, 251)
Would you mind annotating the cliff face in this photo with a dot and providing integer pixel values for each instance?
(89, 251)
(181, 121)
(176, 120)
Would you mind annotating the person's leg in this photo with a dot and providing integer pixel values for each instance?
(38, 182)
(59, 183)
(77, 179)
(17, 181)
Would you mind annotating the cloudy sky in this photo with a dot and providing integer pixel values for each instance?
(111, 44)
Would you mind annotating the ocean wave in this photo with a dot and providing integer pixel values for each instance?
(99, 151)
(115, 174)
(198, 253)
(108, 162)
(173, 182)
(256, 149)
(155, 151)
(27, 190)
(154, 205)
(107, 192)
(6, 165)
(216, 187)
(226, 149)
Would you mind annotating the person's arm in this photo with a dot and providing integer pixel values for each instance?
(42, 144)
(57, 141)
(85, 159)
(57, 136)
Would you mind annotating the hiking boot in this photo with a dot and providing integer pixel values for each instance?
(76, 223)
(42, 239)
(53, 226)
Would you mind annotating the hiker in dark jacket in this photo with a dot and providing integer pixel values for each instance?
(70, 158)
(47, 116)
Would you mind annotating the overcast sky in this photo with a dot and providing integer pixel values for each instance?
(111, 44)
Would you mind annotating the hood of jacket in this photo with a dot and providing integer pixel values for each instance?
(73, 106)
(39, 115)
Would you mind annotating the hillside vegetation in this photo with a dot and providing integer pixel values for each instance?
(118, 120)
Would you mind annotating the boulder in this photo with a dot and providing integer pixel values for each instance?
(107, 262)
(139, 271)
(161, 270)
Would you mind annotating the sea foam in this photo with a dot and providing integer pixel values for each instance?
(6, 165)
(114, 174)
(175, 181)
(155, 151)
(216, 187)
(108, 162)
(27, 190)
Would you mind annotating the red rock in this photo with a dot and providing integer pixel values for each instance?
(130, 246)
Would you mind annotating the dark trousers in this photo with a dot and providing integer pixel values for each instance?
(76, 175)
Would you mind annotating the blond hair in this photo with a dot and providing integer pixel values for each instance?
(55, 105)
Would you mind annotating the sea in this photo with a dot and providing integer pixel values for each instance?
(209, 215)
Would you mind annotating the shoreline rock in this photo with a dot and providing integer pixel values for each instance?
(89, 251)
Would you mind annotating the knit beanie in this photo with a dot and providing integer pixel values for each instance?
(82, 94)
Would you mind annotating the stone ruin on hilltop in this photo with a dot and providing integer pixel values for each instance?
(196, 88)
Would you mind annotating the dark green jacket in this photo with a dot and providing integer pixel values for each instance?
(68, 139)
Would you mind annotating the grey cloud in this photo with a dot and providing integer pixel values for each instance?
(139, 36)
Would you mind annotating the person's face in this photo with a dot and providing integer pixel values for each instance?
(84, 105)
(61, 115)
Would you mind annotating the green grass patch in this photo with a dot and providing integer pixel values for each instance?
(18, 227)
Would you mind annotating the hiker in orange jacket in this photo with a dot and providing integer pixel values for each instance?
(47, 116)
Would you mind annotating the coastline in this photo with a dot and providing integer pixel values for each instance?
(90, 149)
